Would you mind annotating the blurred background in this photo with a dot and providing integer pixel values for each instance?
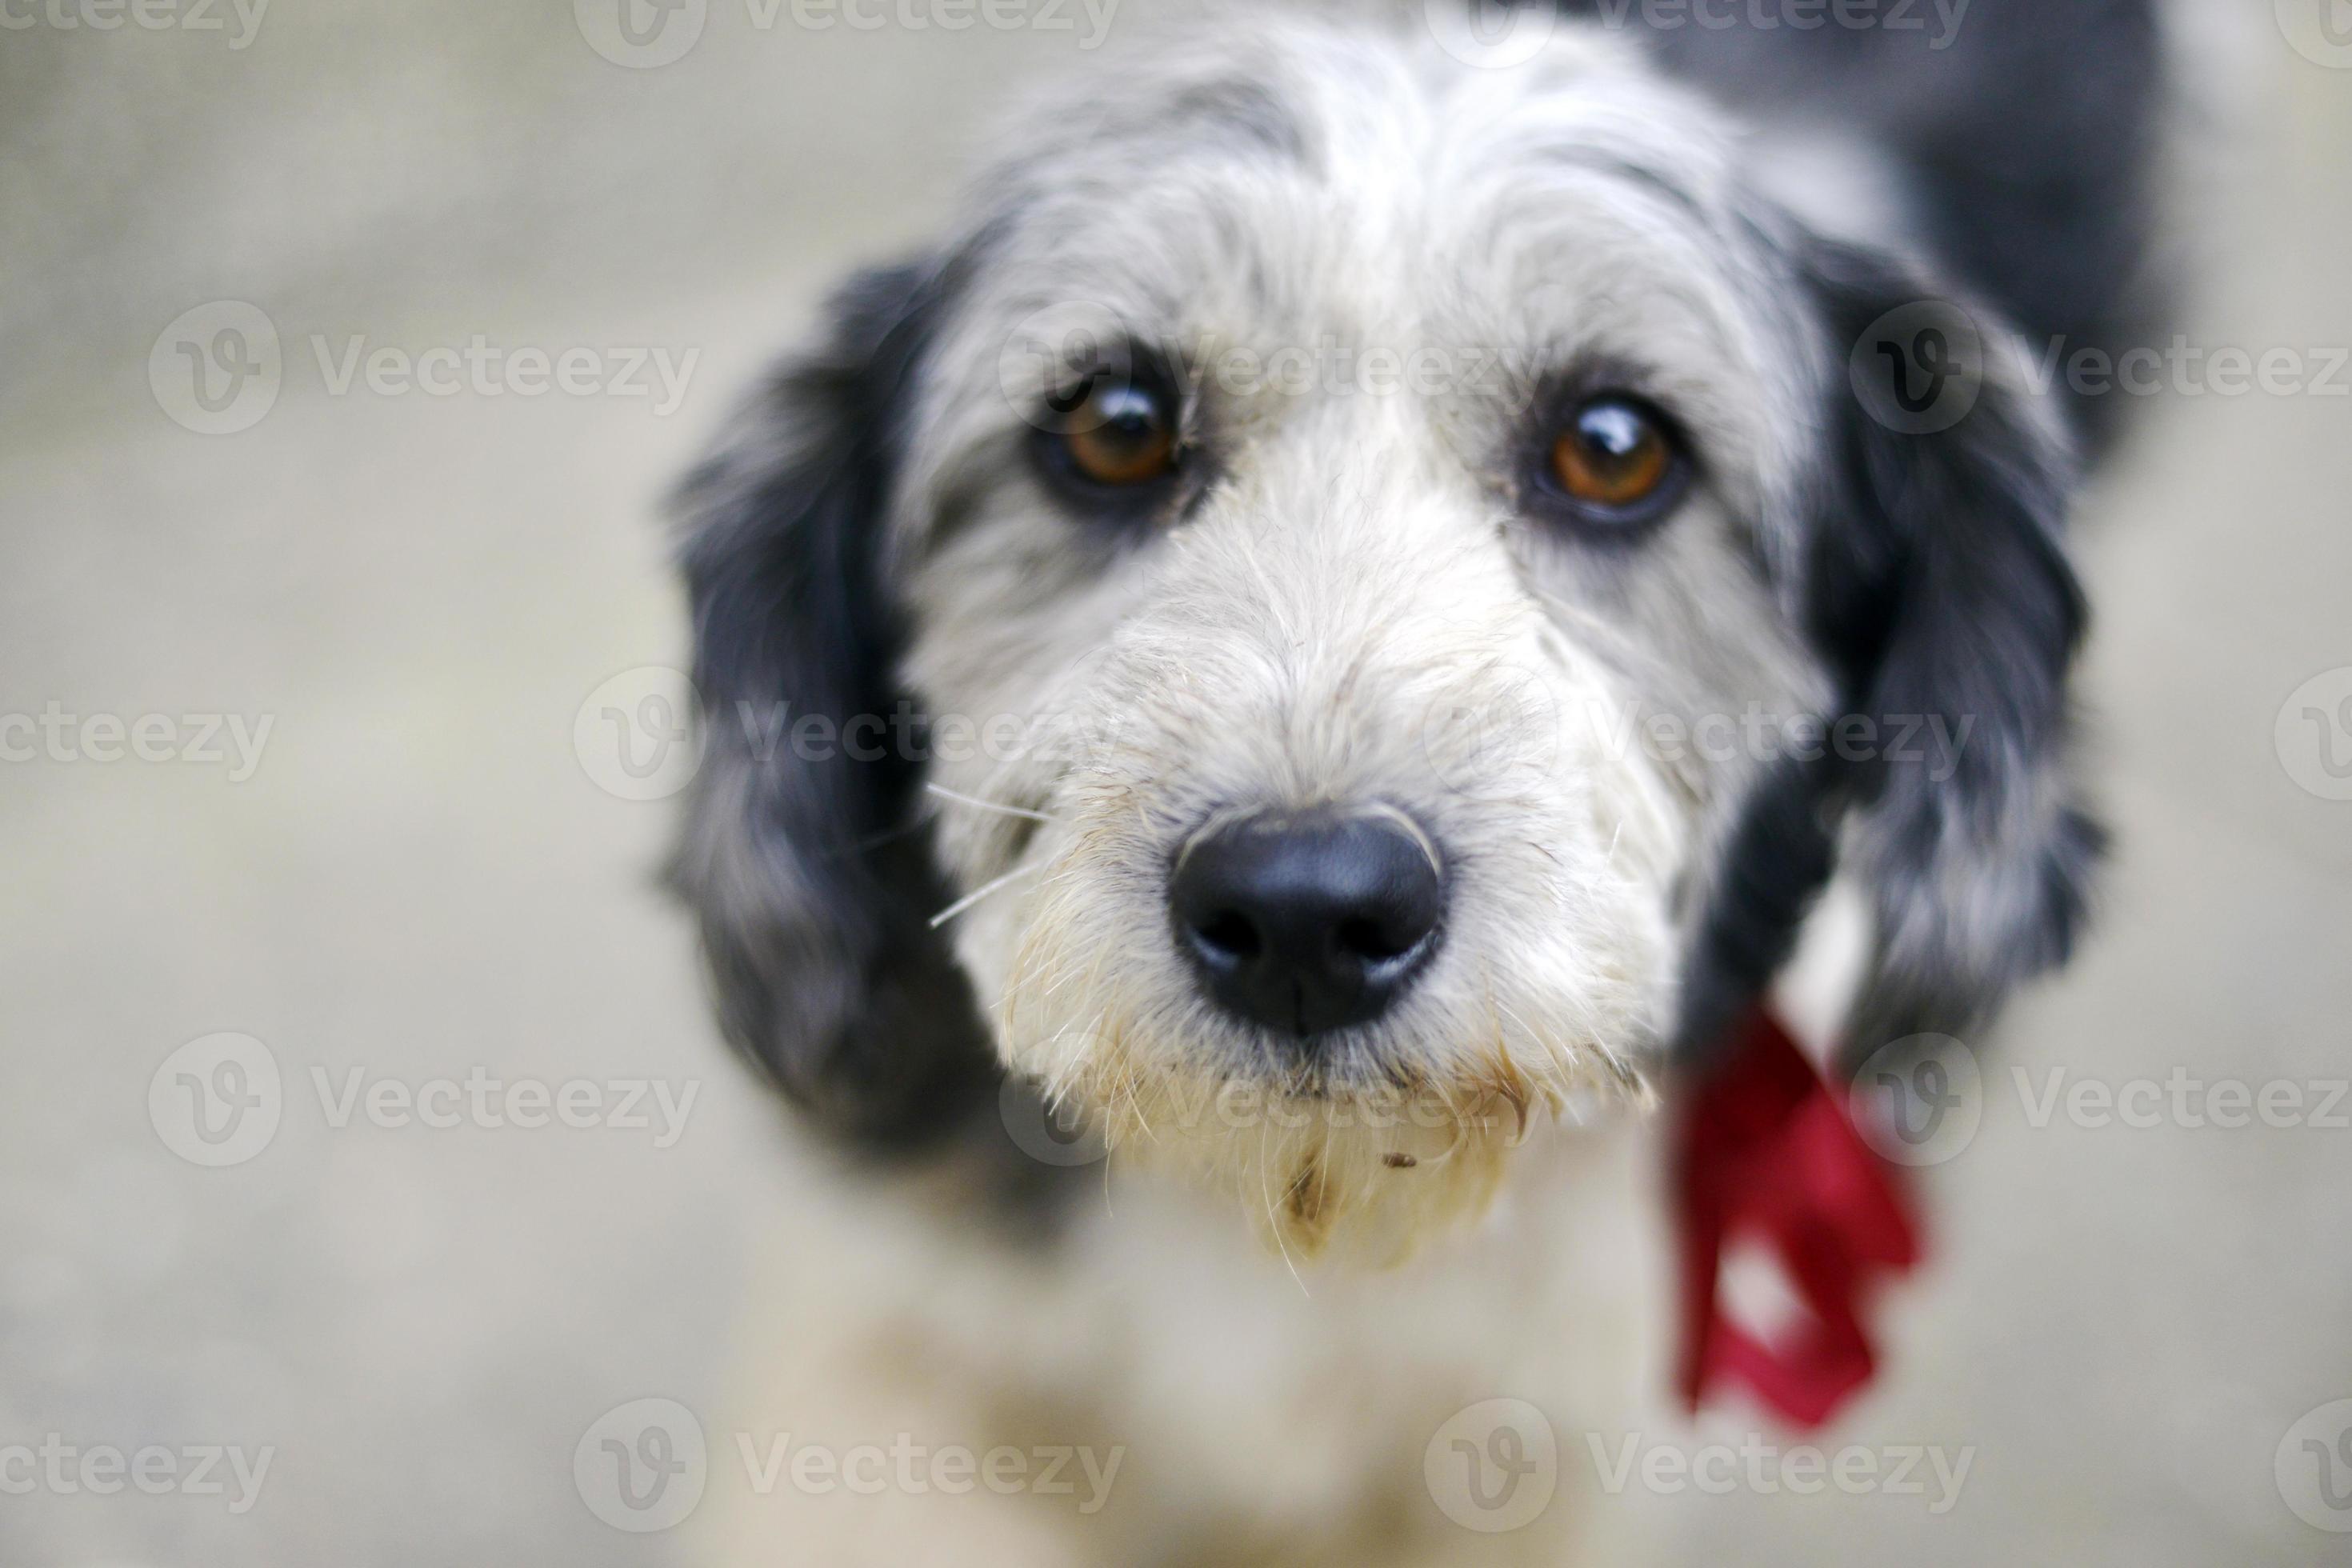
(314, 839)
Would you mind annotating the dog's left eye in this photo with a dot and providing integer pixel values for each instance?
(1122, 433)
(1615, 460)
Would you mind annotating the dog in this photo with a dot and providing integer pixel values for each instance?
(1273, 694)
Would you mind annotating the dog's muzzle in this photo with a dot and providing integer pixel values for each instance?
(1307, 924)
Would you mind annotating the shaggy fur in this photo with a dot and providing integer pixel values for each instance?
(1353, 599)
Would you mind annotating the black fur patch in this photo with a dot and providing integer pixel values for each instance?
(1938, 592)
(811, 875)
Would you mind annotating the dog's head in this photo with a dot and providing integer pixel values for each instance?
(1370, 592)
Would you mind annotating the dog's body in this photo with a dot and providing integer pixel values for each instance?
(1252, 1415)
(1629, 428)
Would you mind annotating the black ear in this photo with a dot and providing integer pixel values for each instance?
(1939, 586)
(803, 853)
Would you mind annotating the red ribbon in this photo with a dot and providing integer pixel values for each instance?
(1766, 1150)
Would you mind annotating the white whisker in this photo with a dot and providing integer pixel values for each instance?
(990, 805)
(981, 893)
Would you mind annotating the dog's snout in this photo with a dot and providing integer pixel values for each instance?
(1307, 924)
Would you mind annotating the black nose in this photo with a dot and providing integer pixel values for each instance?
(1307, 924)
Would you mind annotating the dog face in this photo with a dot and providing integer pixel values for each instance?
(1369, 558)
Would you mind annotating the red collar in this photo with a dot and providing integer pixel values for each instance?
(1764, 1150)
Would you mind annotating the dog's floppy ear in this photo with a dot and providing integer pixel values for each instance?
(1939, 588)
(803, 853)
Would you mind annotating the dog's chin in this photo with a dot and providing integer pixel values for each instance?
(1363, 1174)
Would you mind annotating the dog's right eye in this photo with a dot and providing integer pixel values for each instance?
(1612, 464)
(1119, 432)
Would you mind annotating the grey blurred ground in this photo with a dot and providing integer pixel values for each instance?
(420, 878)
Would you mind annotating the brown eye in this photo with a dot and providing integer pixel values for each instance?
(1123, 434)
(1615, 455)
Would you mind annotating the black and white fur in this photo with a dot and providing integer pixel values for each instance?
(872, 540)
